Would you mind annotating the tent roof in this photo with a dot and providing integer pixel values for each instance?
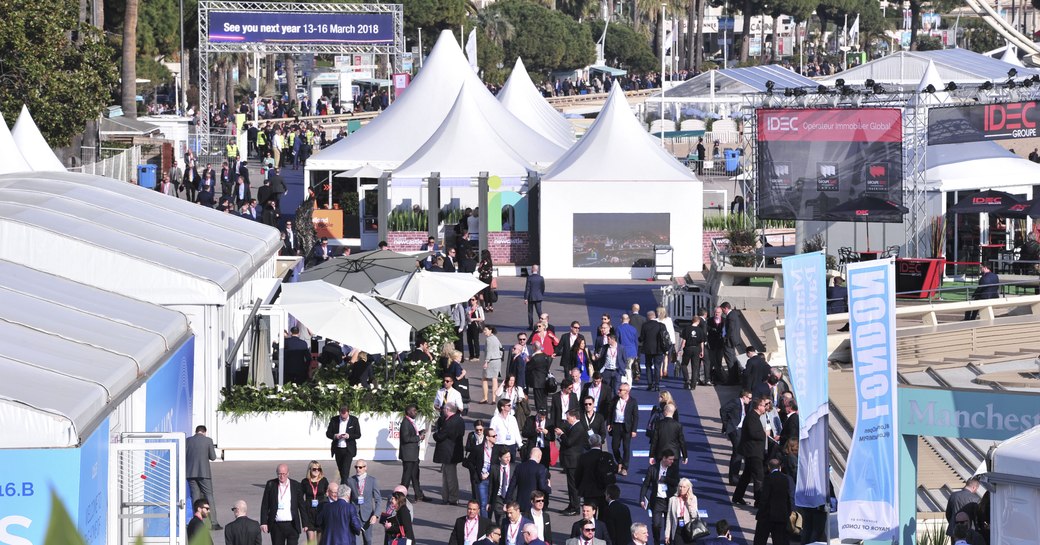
(399, 131)
(35, 150)
(617, 148)
(128, 239)
(522, 99)
(1018, 455)
(124, 126)
(71, 353)
(464, 146)
(906, 68)
(11, 159)
(731, 81)
(970, 166)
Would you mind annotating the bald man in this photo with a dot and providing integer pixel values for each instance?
(243, 530)
(280, 509)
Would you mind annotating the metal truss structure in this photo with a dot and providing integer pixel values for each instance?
(206, 48)
(914, 105)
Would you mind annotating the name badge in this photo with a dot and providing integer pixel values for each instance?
(361, 500)
(590, 433)
(314, 503)
(682, 523)
(662, 490)
(509, 437)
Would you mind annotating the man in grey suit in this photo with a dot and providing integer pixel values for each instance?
(534, 293)
(198, 452)
(364, 493)
(408, 451)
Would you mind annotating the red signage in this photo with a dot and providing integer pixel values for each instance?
(1009, 117)
(835, 125)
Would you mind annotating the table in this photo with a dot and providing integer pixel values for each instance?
(870, 255)
(1003, 264)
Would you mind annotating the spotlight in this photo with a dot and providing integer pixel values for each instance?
(1010, 84)
(1035, 78)
(800, 92)
(1012, 73)
(1027, 82)
(869, 84)
(822, 89)
(878, 89)
(951, 86)
(986, 85)
(930, 89)
(839, 83)
(769, 86)
(788, 92)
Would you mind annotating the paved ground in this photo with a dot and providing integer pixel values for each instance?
(568, 300)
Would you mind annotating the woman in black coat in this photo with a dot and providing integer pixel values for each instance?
(397, 520)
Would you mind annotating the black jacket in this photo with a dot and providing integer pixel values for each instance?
(668, 435)
(651, 338)
(242, 531)
(649, 489)
(774, 505)
(353, 433)
(449, 449)
(269, 503)
(630, 416)
(752, 437)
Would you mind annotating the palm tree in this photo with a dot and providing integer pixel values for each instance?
(129, 87)
(270, 75)
(497, 28)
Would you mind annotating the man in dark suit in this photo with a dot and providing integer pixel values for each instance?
(660, 483)
(989, 288)
(622, 421)
(408, 451)
(538, 433)
(539, 515)
(512, 525)
(597, 469)
(344, 431)
(292, 244)
(772, 386)
(450, 261)
(753, 448)
(617, 516)
(600, 395)
(243, 530)
(534, 294)
(537, 373)
(589, 517)
(469, 528)
(651, 342)
(735, 329)
(572, 444)
(790, 425)
(531, 475)
(563, 401)
(198, 524)
(756, 370)
(567, 342)
(280, 508)
(732, 414)
(338, 520)
(590, 421)
(774, 507)
(502, 490)
(449, 450)
(364, 493)
(277, 187)
(320, 253)
(198, 453)
(668, 436)
(297, 357)
(636, 320)
(612, 360)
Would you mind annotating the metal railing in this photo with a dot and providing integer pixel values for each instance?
(121, 164)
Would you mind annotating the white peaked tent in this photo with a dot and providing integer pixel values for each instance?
(464, 146)
(520, 96)
(931, 77)
(11, 159)
(1010, 56)
(397, 133)
(34, 148)
(619, 173)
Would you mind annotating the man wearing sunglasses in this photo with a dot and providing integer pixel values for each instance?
(364, 493)
(587, 537)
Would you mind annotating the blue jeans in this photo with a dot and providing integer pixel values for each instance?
(611, 380)
(653, 363)
(482, 494)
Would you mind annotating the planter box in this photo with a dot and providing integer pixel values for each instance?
(406, 241)
(298, 436)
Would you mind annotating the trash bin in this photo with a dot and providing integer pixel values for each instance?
(146, 176)
(732, 160)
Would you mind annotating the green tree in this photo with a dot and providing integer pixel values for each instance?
(432, 16)
(547, 40)
(128, 73)
(626, 48)
(980, 37)
(57, 66)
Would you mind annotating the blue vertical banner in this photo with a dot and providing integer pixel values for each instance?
(805, 332)
(869, 501)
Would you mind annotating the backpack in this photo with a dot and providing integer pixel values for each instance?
(655, 415)
(664, 340)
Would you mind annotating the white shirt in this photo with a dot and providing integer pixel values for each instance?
(507, 429)
(446, 395)
(610, 362)
(536, 518)
(284, 513)
(619, 413)
(342, 430)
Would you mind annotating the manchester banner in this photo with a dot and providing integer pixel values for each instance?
(868, 506)
(805, 319)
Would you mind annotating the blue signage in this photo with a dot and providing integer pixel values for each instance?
(169, 393)
(300, 28)
(805, 319)
(869, 501)
(970, 414)
(93, 487)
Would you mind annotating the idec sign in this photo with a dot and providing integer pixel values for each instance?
(988, 200)
(837, 125)
(977, 123)
(1010, 117)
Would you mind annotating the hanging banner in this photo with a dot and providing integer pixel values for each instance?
(868, 506)
(805, 316)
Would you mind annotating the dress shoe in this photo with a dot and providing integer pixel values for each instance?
(569, 512)
(740, 502)
(217, 527)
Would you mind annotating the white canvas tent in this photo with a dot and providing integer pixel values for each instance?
(464, 146)
(905, 69)
(522, 99)
(11, 159)
(134, 241)
(34, 148)
(618, 169)
(397, 133)
(71, 353)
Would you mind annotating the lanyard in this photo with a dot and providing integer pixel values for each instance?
(314, 488)
(361, 486)
(682, 508)
(282, 491)
(471, 529)
(513, 533)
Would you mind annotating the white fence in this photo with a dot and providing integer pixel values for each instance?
(121, 165)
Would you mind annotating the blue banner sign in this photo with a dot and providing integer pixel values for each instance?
(970, 414)
(805, 327)
(869, 501)
(302, 28)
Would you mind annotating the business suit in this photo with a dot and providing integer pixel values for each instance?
(534, 294)
(572, 445)
(774, 509)
(546, 522)
(602, 533)
(593, 479)
(242, 531)
(668, 435)
(567, 341)
(198, 453)
(656, 497)
(755, 372)
(612, 377)
(622, 422)
(731, 414)
(480, 527)
(339, 523)
(530, 476)
(601, 397)
(344, 455)
(650, 343)
(408, 453)
(753, 448)
(282, 532)
(513, 533)
(714, 347)
(557, 415)
(618, 519)
(365, 495)
(597, 425)
(537, 373)
(502, 489)
(536, 439)
(449, 453)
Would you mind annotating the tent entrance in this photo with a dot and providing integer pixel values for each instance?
(150, 498)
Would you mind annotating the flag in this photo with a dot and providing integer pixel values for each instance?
(471, 50)
(854, 33)
(868, 507)
(805, 319)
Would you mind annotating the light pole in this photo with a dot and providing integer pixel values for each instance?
(420, 48)
(182, 92)
(662, 72)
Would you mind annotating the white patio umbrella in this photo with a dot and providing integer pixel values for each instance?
(363, 171)
(430, 289)
(349, 317)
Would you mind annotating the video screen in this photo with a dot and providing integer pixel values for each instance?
(618, 240)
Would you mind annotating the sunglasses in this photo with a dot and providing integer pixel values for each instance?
(315, 469)
(360, 467)
(589, 404)
(588, 529)
(492, 436)
(539, 501)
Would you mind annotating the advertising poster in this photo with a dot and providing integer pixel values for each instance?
(304, 28)
(618, 240)
(868, 507)
(805, 319)
(812, 160)
(978, 123)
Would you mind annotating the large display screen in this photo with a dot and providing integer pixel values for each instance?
(303, 28)
(1011, 121)
(810, 161)
(618, 240)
